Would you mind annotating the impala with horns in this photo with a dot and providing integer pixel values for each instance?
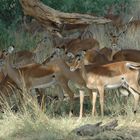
(64, 75)
(111, 75)
(18, 59)
(117, 19)
(114, 35)
(30, 74)
(39, 76)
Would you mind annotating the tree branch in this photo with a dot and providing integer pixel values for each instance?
(53, 19)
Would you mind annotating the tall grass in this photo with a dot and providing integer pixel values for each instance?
(31, 123)
(20, 39)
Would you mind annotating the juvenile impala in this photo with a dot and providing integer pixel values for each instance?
(110, 75)
(129, 30)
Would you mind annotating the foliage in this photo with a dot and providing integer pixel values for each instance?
(11, 16)
(97, 7)
(10, 10)
(11, 35)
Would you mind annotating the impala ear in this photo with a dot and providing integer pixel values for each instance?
(83, 53)
(11, 48)
(58, 51)
(2, 62)
(57, 33)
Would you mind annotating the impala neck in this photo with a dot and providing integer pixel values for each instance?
(13, 73)
(113, 53)
(83, 71)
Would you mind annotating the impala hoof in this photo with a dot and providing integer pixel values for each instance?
(135, 112)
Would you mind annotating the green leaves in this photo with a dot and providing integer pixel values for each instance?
(9, 10)
(96, 7)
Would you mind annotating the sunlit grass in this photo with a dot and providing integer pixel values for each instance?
(31, 123)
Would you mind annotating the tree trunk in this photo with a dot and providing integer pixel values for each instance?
(53, 19)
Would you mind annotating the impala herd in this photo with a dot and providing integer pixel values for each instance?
(80, 60)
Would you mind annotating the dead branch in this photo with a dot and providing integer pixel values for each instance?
(94, 129)
(53, 19)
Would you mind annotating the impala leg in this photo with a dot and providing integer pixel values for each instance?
(136, 96)
(61, 98)
(94, 97)
(71, 96)
(101, 93)
(41, 97)
(67, 90)
(81, 103)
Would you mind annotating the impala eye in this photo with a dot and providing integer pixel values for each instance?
(79, 59)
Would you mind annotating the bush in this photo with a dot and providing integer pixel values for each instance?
(10, 10)
(97, 7)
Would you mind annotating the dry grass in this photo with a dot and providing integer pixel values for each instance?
(14, 127)
(32, 124)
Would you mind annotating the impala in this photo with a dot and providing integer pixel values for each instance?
(105, 56)
(117, 20)
(95, 57)
(31, 76)
(128, 30)
(7, 92)
(63, 75)
(54, 67)
(78, 45)
(113, 55)
(35, 75)
(39, 76)
(109, 76)
(120, 55)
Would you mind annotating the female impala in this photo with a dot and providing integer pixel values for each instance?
(37, 75)
(108, 76)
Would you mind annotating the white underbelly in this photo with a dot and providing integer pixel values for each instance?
(43, 82)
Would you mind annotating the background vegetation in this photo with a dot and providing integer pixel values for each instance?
(32, 123)
(11, 16)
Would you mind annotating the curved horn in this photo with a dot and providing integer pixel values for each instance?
(126, 26)
(70, 55)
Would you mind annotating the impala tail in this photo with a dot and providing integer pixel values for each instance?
(135, 66)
